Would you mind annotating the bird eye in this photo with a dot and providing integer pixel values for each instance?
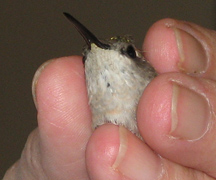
(131, 51)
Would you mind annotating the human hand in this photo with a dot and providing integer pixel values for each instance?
(64, 146)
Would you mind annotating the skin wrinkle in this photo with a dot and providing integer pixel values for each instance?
(78, 74)
(71, 163)
(59, 109)
(31, 158)
(64, 126)
(60, 100)
(54, 124)
(163, 170)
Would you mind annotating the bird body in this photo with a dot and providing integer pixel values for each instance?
(116, 76)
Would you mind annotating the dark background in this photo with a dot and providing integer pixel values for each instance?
(32, 32)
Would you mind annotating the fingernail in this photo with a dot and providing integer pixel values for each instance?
(190, 114)
(135, 160)
(122, 147)
(35, 80)
(193, 58)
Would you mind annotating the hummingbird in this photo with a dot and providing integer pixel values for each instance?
(116, 75)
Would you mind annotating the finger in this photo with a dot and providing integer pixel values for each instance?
(63, 118)
(176, 117)
(115, 153)
(179, 46)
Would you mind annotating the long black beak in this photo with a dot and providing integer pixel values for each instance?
(86, 34)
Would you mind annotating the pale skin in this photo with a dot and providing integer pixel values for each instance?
(176, 117)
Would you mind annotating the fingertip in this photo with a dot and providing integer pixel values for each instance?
(61, 93)
(114, 152)
(45, 71)
(101, 152)
(160, 47)
(179, 46)
(174, 105)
